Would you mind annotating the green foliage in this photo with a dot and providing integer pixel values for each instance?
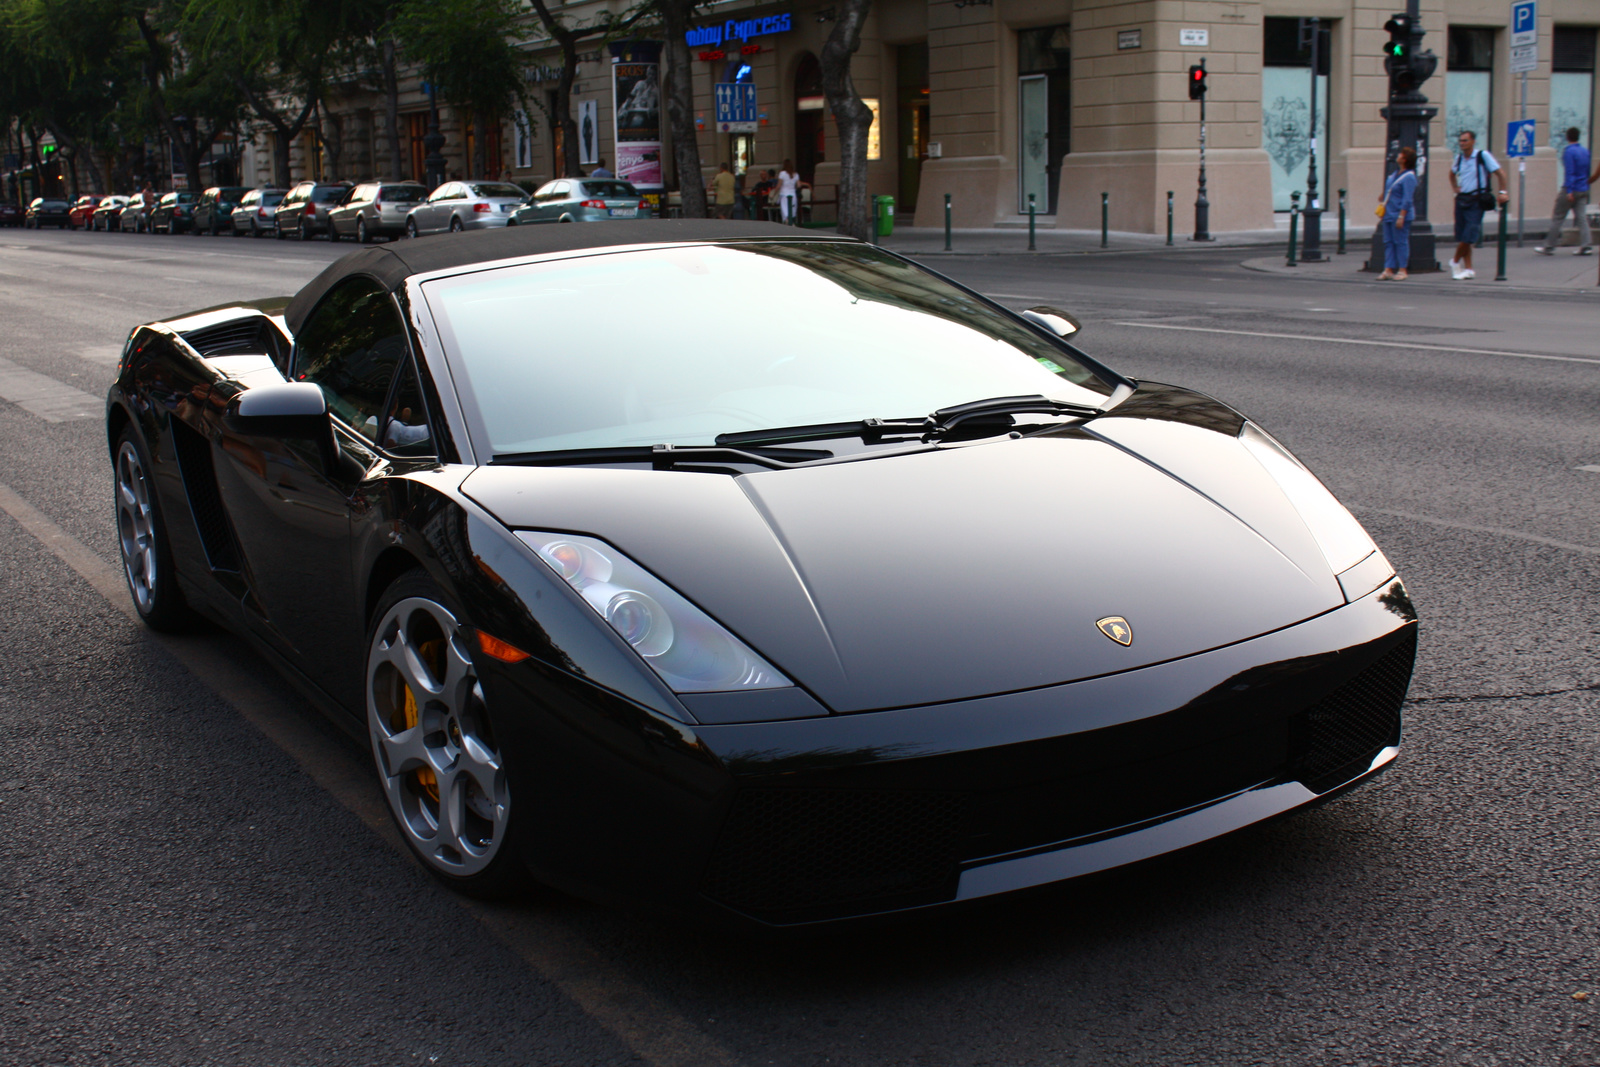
(465, 50)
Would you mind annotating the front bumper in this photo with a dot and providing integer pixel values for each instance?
(841, 817)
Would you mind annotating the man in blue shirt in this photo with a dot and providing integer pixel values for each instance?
(1470, 176)
(1573, 196)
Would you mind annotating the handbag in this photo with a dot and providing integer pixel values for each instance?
(1379, 212)
(1486, 198)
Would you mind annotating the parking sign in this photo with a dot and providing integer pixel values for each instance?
(1524, 23)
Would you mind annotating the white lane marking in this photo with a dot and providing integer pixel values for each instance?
(45, 397)
(1592, 468)
(110, 355)
(1498, 531)
(602, 989)
(1355, 341)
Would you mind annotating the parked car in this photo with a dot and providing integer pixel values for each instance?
(722, 677)
(214, 211)
(135, 215)
(106, 212)
(47, 211)
(11, 214)
(582, 200)
(304, 212)
(82, 211)
(173, 213)
(456, 206)
(254, 214)
(375, 209)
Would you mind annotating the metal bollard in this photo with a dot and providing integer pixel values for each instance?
(1105, 216)
(1294, 219)
(1031, 247)
(1341, 221)
(947, 222)
(1500, 274)
(1169, 218)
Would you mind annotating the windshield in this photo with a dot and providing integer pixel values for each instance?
(610, 189)
(402, 194)
(756, 336)
(497, 189)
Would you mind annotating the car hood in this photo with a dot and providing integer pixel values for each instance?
(964, 571)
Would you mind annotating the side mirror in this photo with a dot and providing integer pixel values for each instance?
(1055, 320)
(293, 409)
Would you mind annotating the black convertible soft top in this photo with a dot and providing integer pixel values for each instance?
(393, 263)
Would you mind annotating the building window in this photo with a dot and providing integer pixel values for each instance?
(1469, 84)
(1572, 84)
(1286, 133)
(1044, 111)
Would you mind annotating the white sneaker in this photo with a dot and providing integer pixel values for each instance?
(1455, 269)
(1466, 274)
(1584, 251)
(1543, 251)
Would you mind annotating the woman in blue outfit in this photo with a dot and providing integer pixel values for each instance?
(1398, 191)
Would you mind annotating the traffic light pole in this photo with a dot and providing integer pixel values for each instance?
(1409, 116)
(1311, 247)
(1202, 206)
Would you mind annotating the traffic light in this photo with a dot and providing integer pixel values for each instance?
(1407, 65)
(1398, 50)
(1197, 81)
(47, 150)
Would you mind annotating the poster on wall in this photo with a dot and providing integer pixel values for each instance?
(588, 132)
(1286, 132)
(524, 141)
(636, 111)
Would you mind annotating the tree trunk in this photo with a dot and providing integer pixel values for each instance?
(391, 110)
(283, 133)
(562, 115)
(680, 108)
(851, 115)
(331, 128)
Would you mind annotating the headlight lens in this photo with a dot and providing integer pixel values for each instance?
(1342, 540)
(690, 650)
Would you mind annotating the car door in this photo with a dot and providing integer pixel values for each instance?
(552, 199)
(433, 211)
(292, 501)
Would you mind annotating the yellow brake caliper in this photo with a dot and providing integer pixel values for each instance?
(425, 776)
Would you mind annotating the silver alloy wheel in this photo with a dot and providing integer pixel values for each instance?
(136, 527)
(430, 736)
(361, 232)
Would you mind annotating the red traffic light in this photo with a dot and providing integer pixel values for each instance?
(1197, 81)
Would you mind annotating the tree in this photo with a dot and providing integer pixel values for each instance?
(465, 50)
(675, 17)
(852, 116)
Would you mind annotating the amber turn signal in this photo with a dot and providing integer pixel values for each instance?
(500, 650)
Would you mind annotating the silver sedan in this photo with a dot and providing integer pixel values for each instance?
(456, 206)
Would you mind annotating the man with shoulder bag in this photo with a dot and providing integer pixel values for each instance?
(1469, 177)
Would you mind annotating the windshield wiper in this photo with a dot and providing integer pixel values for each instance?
(946, 419)
(665, 457)
(866, 429)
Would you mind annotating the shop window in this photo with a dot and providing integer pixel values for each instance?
(1469, 84)
(1286, 87)
(1572, 84)
(1044, 114)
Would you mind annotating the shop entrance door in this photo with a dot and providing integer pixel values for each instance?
(810, 120)
(1044, 114)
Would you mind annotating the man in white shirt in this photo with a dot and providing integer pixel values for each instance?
(1469, 176)
(788, 193)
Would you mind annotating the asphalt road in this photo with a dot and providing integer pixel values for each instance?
(195, 868)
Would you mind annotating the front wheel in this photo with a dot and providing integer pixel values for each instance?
(362, 236)
(305, 230)
(411, 228)
(277, 229)
(142, 541)
(333, 232)
(442, 769)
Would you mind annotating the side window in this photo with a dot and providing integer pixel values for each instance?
(350, 346)
(405, 431)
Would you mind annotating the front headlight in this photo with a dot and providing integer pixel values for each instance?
(1342, 540)
(690, 650)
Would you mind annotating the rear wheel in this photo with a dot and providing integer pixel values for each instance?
(362, 236)
(142, 541)
(455, 225)
(442, 769)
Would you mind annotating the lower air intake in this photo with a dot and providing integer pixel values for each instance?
(1351, 725)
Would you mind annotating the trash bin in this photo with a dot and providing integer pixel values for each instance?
(885, 212)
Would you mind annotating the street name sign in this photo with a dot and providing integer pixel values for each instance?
(1521, 136)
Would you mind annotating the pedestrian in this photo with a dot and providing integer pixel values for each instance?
(741, 200)
(1469, 177)
(601, 171)
(721, 186)
(1573, 196)
(1398, 193)
(788, 194)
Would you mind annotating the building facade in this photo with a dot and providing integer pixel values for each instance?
(987, 101)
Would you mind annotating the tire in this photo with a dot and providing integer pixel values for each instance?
(455, 225)
(142, 540)
(333, 232)
(433, 743)
(305, 229)
(213, 226)
(411, 228)
(362, 236)
(277, 229)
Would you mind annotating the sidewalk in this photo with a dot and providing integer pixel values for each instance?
(929, 241)
(1525, 269)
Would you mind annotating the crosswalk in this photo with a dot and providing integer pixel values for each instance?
(42, 395)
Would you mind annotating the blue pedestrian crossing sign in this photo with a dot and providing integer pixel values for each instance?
(736, 107)
(1521, 136)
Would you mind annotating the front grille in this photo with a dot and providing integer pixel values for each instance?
(790, 853)
(1351, 725)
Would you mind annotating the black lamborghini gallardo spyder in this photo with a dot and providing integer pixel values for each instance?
(750, 573)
